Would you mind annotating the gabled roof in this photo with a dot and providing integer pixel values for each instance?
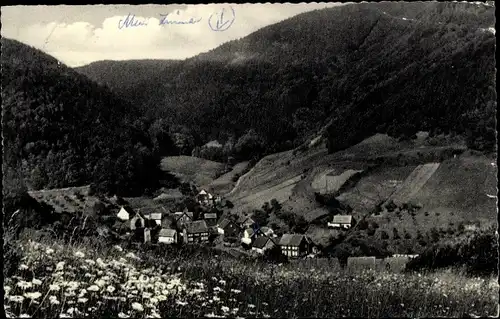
(248, 232)
(225, 222)
(291, 239)
(261, 242)
(243, 219)
(203, 192)
(165, 232)
(342, 219)
(199, 226)
(210, 216)
(180, 214)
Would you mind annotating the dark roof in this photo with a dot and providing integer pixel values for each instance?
(291, 239)
(223, 223)
(261, 242)
(199, 226)
(178, 215)
(167, 232)
(211, 222)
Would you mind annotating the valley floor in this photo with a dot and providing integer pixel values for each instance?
(57, 280)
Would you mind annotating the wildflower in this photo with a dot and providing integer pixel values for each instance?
(24, 315)
(236, 291)
(90, 262)
(123, 315)
(23, 267)
(49, 251)
(83, 292)
(100, 282)
(24, 284)
(63, 315)
(6, 289)
(18, 299)
(60, 265)
(54, 287)
(93, 288)
(70, 293)
(137, 306)
(53, 300)
(117, 247)
(36, 282)
(235, 310)
(225, 309)
(222, 282)
(82, 300)
(215, 298)
(79, 254)
(147, 295)
(33, 295)
(110, 289)
(251, 306)
(49, 268)
(181, 303)
(217, 289)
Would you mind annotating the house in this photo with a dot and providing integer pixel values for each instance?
(263, 243)
(196, 232)
(341, 221)
(167, 236)
(204, 197)
(183, 218)
(247, 236)
(210, 219)
(228, 228)
(265, 231)
(137, 221)
(361, 263)
(154, 213)
(147, 235)
(124, 213)
(245, 221)
(294, 245)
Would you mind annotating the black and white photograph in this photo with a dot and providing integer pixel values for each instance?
(271, 160)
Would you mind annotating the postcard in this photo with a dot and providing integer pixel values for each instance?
(250, 160)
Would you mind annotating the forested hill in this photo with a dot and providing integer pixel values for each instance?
(394, 67)
(61, 129)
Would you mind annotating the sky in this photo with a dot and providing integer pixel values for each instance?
(78, 35)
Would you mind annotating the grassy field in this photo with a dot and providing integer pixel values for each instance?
(54, 280)
(225, 183)
(191, 169)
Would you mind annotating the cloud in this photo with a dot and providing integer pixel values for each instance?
(81, 42)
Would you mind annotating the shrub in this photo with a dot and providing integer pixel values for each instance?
(384, 235)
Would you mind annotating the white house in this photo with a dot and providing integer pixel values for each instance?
(123, 214)
(204, 197)
(137, 222)
(341, 221)
(167, 236)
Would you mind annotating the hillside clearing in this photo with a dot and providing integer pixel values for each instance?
(191, 169)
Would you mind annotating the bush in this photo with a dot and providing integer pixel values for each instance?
(384, 235)
(477, 252)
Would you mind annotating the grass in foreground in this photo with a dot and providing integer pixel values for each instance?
(60, 281)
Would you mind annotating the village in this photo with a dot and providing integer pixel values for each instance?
(211, 225)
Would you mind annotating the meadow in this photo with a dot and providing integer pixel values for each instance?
(67, 281)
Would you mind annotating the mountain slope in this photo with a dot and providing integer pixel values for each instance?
(61, 129)
(363, 68)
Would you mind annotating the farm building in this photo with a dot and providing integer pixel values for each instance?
(265, 231)
(183, 218)
(361, 263)
(154, 213)
(124, 213)
(204, 197)
(341, 221)
(294, 245)
(167, 236)
(147, 235)
(263, 243)
(228, 228)
(210, 219)
(245, 221)
(137, 222)
(196, 232)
